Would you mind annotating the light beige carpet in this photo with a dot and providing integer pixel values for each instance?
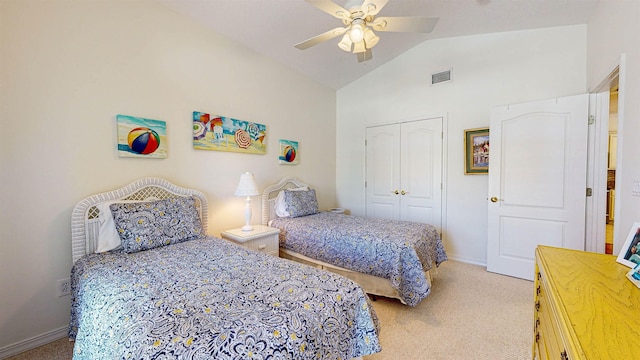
(470, 314)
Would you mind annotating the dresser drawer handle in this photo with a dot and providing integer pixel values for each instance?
(537, 305)
(538, 290)
(563, 355)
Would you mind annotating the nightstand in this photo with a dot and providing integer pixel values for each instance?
(262, 238)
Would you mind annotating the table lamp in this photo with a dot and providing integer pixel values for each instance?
(247, 188)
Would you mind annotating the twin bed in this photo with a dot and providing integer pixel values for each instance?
(169, 291)
(388, 258)
(148, 282)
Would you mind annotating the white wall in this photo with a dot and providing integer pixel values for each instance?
(488, 70)
(68, 68)
(613, 30)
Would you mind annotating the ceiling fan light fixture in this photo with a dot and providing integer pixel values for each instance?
(346, 43)
(359, 47)
(370, 38)
(360, 24)
(357, 31)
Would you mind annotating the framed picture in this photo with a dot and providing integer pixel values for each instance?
(634, 275)
(141, 138)
(289, 152)
(222, 133)
(476, 151)
(630, 252)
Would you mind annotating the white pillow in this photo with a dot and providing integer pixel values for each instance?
(281, 207)
(108, 238)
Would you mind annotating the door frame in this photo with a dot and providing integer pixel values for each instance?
(445, 146)
(597, 158)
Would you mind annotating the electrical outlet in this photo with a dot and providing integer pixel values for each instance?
(635, 187)
(64, 287)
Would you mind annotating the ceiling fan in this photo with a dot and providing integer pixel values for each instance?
(359, 18)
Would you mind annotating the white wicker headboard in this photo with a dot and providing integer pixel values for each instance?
(269, 196)
(84, 218)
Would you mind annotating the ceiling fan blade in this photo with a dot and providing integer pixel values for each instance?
(372, 7)
(420, 24)
(331, 8)
(364, 56)
(321, 38)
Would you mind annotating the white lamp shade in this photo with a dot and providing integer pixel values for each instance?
(359, 47)
(345, 44)
(246, 186)
(370, 38)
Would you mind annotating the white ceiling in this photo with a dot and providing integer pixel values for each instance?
(273, 27)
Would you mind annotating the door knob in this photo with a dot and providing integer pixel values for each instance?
(494, 199)
(395, 192)
(403, 192)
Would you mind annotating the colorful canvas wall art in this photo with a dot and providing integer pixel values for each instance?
(289, 152)
(221, 133)
(140, 137)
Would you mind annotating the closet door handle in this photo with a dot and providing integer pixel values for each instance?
(395, 192)
(404, 192)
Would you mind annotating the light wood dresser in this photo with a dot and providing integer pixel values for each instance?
(585, 307)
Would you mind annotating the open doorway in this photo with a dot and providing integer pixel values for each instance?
(611, 166)
(606, 109)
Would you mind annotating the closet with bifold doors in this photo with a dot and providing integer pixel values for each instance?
(404, 171)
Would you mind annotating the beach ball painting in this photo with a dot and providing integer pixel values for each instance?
(288, 152)
(141, 137)
(143, 140)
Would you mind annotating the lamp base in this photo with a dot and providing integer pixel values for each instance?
(247, 215)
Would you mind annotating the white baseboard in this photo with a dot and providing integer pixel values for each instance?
(32, 343)
(468, 261)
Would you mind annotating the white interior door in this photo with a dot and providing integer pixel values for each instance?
(537, 181)
(383, 171)
(404, 171)
(421, 171)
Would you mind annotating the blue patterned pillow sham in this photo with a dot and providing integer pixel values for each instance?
(301, 203)
(147, 225)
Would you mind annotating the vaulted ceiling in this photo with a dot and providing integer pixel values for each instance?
(273, 27)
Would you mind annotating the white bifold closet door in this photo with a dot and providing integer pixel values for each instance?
(404, 171)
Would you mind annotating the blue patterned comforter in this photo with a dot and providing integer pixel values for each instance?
(399, 251)
(210, 299)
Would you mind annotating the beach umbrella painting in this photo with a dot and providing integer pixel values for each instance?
(223, 133)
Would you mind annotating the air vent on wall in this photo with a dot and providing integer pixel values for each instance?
(441, 77)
